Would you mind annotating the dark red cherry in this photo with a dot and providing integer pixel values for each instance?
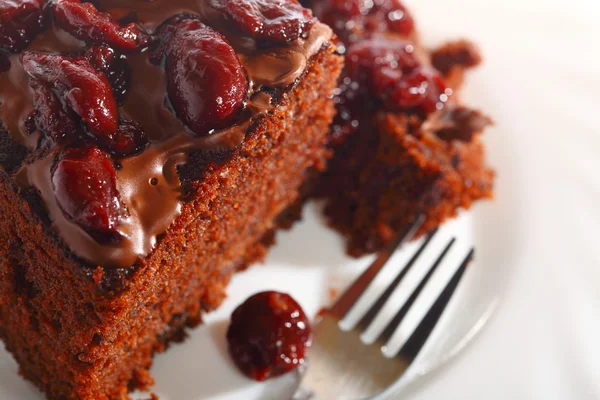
(20, 22)
(271, 20)
(423, 88)
(50, 116)
(269, 335)
(206, 83)
(388, 70)
(85, 90)
(129, 139)
(114, 66)
(85, 22)
(85, 186)
(355, 20)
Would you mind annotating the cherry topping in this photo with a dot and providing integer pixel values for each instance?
(354, 20)
(272, 20)
(85, 186)
(113, 65)
(20, 22)
(380, 62)
(268, 336)
(206, 83)
(85, 22)
(84, 89)
(423, 88)
(388, 70)
(50, 116)
(128, 140)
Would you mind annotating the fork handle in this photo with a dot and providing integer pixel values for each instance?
(303, 393)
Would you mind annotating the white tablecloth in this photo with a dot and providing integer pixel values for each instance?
(542, 80)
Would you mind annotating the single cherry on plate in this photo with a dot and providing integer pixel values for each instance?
(380, 62)
(269, 335)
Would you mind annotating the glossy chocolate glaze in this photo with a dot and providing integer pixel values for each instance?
(149, 183)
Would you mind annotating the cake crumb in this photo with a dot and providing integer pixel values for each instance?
(98, 275)
(333, 294)
(461, 53)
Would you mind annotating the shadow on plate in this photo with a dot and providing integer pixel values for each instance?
(12, 386)
(185, 373)
(300, 246)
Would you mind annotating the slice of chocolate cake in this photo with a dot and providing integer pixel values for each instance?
(404, 144)
(147, 149)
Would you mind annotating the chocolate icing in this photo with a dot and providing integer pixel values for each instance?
(149, 183)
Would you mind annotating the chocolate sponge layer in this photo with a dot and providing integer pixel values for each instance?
(84, 332)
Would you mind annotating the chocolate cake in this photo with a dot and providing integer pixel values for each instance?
(147, 151)
(404, 144)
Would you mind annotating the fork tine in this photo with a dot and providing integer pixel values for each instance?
(410, 297)
(347, 300)
(433, 291)
(419, 337)
(375, 309)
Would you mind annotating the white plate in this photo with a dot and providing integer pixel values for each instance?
(309, 261)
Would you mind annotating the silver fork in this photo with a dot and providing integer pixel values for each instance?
(342, 364)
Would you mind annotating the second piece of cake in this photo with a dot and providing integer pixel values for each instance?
(404, 145)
